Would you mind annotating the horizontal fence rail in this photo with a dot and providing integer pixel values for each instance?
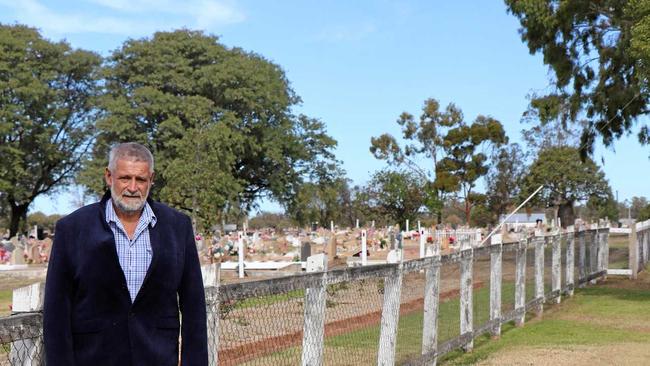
(411, 312)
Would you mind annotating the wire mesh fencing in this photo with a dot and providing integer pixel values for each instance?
(21, 340)
(409, 312)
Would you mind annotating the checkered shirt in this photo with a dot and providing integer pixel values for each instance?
(134, 255)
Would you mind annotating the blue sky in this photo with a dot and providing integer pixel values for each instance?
(356, 64)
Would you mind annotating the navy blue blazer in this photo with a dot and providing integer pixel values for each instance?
(88, 315)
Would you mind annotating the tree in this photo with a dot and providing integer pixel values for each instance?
(566, 180)
(637, 205)
(503, 179)
(397, 196)
(269, 220)
(47, 109)
(320, 200)
(217, 120)
(451, 144)
(465, 163)
(600, 207)
(599, 54)
(644, 214)
(42, 220)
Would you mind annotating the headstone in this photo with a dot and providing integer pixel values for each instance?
(317, 263)
(394, 256)
(331, 250)
(17, 256)
(28, 298)
(305, 252)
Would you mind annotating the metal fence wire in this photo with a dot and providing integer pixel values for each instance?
(412, 312)
(21, 340)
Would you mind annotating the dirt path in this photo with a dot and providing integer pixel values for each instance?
(576, 355)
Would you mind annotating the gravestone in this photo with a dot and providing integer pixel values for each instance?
(305, 251)
(17, 256)
(331, 248)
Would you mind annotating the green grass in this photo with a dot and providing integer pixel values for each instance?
(5, 302)
(572, 324)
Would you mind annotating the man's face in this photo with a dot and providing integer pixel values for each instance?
(130, 183)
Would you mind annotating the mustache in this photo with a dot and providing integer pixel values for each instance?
(132, 194)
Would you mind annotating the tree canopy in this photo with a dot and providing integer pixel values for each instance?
(47, 109)
(566, 180)
(599, 52)
(396, 195)
(454, 146)
(218, 120)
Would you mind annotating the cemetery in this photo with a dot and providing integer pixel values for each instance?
(386, 183)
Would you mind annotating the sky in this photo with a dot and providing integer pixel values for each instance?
(357, 65)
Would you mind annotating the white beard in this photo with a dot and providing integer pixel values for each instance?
(128, 206)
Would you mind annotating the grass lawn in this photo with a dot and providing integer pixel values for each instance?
(618, 251)
(610, 322)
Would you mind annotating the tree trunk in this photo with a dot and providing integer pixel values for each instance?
(18, 213)
(566, 214)
(468, 211)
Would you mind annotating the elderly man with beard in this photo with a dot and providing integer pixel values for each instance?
(121, 272)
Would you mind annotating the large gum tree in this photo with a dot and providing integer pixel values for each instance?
(218, 120)
(47, 109)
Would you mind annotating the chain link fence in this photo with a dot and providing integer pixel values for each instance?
(410, 312)
(21, 340)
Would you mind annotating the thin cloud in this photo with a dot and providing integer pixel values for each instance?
(347, 33)
(127, 18)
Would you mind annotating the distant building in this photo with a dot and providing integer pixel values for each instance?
(524, 219)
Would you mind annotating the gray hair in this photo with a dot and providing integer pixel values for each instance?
(129, 151)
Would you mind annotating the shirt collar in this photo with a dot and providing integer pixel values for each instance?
(147, 217)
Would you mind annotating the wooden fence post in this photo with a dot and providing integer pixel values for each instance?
(634, 252)
(313, 338)
(496, 270)
(520, 282)
(211, 279)
(570, 260)
(556, 265)
(431, 302)
(593, 253)
(466, 292)
(390, 317)
(540, 244)
(28, 351)
(582, 256)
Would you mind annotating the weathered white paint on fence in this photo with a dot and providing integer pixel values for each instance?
(556, 265)
(593, 254)
(431, 302)
(582, 254)
(466, 292)
(390, 318)
(29, 351)
(496, 269)
(540, 243)
(570, 260)
(314, 321)
(212, 274)
(520, 282)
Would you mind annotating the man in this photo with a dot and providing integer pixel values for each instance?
(120, 270)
